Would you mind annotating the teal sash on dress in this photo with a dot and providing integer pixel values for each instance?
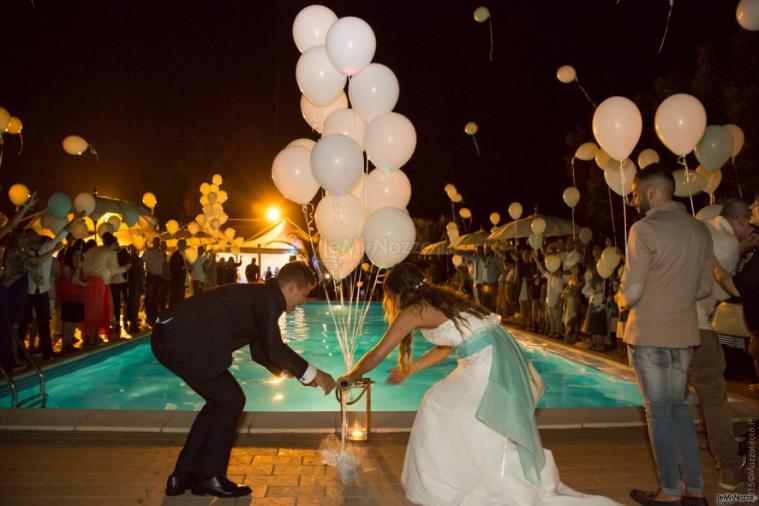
(513, 391)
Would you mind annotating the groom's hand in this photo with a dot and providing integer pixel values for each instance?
(324, 381)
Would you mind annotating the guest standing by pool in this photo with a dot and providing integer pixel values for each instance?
(474, 440)
(668, 268)
(195, 339)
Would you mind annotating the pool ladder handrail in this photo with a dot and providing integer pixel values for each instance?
(40, 372)
(11, 385)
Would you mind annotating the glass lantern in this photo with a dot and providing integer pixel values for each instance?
(356, 410)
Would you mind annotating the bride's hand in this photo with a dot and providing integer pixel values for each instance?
(398, 374)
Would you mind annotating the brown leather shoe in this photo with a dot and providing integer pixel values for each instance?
(648, 498)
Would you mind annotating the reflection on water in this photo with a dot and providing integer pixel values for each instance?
(131, 378)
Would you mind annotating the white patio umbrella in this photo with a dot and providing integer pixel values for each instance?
(555, 227)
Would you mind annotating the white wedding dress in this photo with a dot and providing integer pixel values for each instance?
(454, 459)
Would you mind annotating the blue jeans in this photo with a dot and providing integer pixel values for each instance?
(663, 380)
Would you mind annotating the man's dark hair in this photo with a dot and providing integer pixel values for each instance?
(657, 171)
(297, 272)
(734, 208)
(109, 239)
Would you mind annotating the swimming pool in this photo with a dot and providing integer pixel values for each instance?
(129, 377)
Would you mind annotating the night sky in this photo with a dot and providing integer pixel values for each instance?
(171, 92)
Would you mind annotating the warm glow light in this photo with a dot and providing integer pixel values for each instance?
(278, 397)
(276, 380)
(357, 432)
(273, 213)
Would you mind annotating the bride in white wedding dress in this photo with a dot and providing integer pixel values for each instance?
(474, 441)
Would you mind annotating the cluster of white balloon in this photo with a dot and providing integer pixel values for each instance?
(359, 213)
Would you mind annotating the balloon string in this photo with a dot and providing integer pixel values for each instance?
(94, 153)
(476, 147)
(21, 141)
(573, 224)
(624, 203)
(573, 172)
(490, 25)
(666, 26)
(711, 198)
(611, 212)
(684, 163)
(582, 88)
(737, 178)
(2, 148)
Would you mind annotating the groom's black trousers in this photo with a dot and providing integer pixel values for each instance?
(209, 443)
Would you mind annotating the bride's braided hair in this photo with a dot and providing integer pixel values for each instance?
(407, 282)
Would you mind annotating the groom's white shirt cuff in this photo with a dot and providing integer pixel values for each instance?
(309, 375)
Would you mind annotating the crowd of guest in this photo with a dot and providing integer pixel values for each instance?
(51, 288)
(574, 303)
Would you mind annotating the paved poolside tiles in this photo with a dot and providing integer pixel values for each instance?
(130, 468)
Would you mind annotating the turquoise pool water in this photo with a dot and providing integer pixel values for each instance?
(129, 377)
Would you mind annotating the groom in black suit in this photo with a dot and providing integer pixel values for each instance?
(195, 339)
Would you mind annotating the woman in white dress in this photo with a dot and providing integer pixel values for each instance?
(474, 440)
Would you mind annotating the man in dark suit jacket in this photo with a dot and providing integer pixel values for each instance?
(195, 339)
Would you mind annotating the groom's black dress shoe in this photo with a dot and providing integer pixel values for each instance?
(179, 482)
(219, 486)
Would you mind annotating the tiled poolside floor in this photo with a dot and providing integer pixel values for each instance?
(78, 468)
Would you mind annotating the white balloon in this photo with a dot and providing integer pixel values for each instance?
(515, 210)
(620, 176)
(337, 162)
(457, 198)
(315, 115)
(340, 219)
(339, 260)
(566, 74)
(84, 202)
(647, 157)
(317, 78)
(311, 26)
(389, 236)
(465, 213)
(586, 151)
(585, 234)
(358, 189)
(602, 158)
(5, 119)
(373, 91)
(75, 145)
(535, 241)
(553, 262)
(190, 254)
(495, 218)
(387, 189)
(680, 123)
(688, 185)
(538, 226)
(571, 196)
(617, 125)
(738, 138)
(390, 141)
(346, 122)
(303, 143)
(709, 212)
(103, 228)
(350, 44)
(292, 174)
(747, 14)
(457, 260)
(481, 14)
(611, 257)
(602, 269)
(712, 179)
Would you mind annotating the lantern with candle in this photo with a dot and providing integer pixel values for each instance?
(356, 409)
